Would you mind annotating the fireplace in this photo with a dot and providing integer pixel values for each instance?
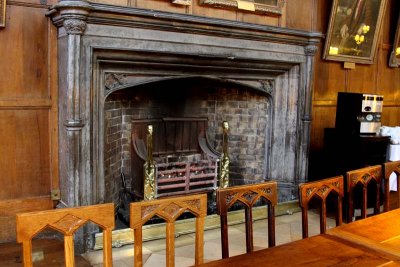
(117, 64)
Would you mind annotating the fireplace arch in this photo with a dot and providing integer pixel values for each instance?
(247, 109)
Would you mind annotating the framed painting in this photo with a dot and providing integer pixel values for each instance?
(2, 13)
(269, 7)
(353, 30)
(394, 60)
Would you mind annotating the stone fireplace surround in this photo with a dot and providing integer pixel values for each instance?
(103, 49)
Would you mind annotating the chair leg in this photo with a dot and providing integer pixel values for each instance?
(386, 204)
(339, 211)
(107, 247)
(271, 225)
(249, 229)
(199, 242)
(322, 217)
(69, 251)
(377, 203)
(364, 203)
(138, 257)
(27, 253)
(304, 221)
(170, 250)
(224, 235)
(350, 209)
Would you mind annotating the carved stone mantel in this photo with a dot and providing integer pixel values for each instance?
(106, 48)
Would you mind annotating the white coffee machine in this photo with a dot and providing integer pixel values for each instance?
(358, 113)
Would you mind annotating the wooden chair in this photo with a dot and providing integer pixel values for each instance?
(66, 221)
(248, 195)
(362, 177)
(169, 209)
(321, 189)
(389, 168)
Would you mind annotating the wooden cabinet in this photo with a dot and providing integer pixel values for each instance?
(349, 152)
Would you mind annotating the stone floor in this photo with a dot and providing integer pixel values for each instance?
(287, 227)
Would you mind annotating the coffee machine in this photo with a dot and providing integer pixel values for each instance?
(354, 142)
(358, 113)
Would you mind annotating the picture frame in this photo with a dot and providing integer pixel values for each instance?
(267, 7)
(394, 60)
(2, 13)
(353, 30)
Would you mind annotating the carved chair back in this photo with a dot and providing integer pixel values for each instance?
(389, 168)
(321, 189)
(363, 177)
(66, 221)
(248, 195)
(169, 209)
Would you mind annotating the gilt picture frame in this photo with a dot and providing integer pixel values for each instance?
(2, 13)
(394, 60)
(353, 30)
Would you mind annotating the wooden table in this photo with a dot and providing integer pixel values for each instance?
(380, 232)
(321, 250)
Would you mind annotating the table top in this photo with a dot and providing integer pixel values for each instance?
(380, 232)
(321, 250)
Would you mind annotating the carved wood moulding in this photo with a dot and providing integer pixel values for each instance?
(271, 10)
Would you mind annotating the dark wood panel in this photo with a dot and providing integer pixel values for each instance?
(258, 19)
(24, 153)
(363, 79)
(9, 208)
(112, 2)
(323, 117)
(23, 54)
(330, 78)
(387, 78)
(323, 11)
(391, 116)
(163, 5)
(207, 11)
(300, 15)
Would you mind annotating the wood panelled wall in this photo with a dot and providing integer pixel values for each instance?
(28, 112)
(331, 78)
(378, 78)
(28, 90)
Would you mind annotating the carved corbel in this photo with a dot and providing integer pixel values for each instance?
(75, 26)
(71, 14)
(114, 80)
(310, 50)
(267, 86)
